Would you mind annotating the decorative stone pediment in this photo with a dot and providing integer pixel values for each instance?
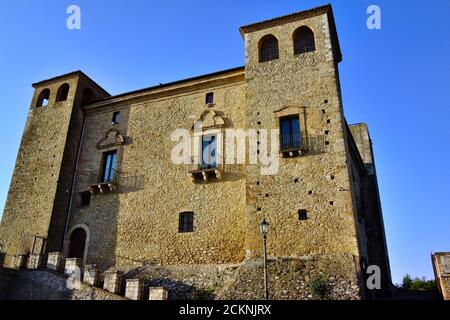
(209, 119)
(111, 138)
(288, 111)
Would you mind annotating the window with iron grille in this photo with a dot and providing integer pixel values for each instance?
(290, 134)
(304, 41)
(186, 222)
(268, 48)
(302, 215)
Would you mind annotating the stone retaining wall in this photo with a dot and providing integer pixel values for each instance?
(46, 285)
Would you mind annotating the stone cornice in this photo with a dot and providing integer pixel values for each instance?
(210, 81)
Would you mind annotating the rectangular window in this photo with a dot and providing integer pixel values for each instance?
(186, 222)
(116, 117)
(209, 98)
(290, 133)
(109, 172)
(209, 146)
(302, 215)
(85, 199)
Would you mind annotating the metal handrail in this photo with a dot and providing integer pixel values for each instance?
(291, 141)
(106, 176)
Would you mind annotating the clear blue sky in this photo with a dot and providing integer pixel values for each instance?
(395, 79)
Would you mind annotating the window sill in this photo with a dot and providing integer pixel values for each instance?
(293, 152)
(103, 187)
(206, 174)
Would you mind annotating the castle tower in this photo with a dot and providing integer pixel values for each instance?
(36, 208)
(292, 84)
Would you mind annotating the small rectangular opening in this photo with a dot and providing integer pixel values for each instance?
(209, 98)
(116, 117)
(85, 199)
(302, 215)
(186, 222)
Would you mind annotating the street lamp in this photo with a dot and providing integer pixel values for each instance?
(264, 228)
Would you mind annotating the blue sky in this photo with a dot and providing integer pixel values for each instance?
(396, 79)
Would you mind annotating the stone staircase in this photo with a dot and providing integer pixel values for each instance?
(53, 276)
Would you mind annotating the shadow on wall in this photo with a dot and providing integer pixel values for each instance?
(99, 219)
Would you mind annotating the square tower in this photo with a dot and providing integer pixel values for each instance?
(292, 85)
(38, 200)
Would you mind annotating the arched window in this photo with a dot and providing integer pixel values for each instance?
(304, 40)
(43, 98)
(268, 48)
(62, 93)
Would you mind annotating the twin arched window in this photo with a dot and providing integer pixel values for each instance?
(61, 95)
(303, 42)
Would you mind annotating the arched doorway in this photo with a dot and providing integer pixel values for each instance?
(77, 243)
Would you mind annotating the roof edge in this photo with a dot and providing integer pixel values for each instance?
(71, 74)
(281, 19)
(170, 84)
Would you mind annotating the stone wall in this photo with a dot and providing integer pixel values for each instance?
(372, 216)
(46, 285)
(441, 267)
(139, 221)
(289, 279)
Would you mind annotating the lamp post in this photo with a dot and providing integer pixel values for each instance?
(264, 228)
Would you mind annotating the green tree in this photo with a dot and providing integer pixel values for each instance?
(406, 282)
(416, 284)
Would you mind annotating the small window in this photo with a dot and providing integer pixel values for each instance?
(268, 48)
(304, 40)
(290, 133)
(109, 168)
(210, 98)
(186, 222)
(62, 93)
(85, 199)
(116, 117)
(302, 215)
(43, 98)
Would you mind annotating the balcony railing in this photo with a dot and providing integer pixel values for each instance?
(297, 143)
(292, 141)
(106, 181)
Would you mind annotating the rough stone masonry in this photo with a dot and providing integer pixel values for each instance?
(94, 177)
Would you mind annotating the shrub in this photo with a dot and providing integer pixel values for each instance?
(319, 287)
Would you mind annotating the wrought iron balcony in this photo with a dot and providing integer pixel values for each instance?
(104, 182)
(296, 144)
(291, 142)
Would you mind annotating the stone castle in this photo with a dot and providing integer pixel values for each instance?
(94, 180)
